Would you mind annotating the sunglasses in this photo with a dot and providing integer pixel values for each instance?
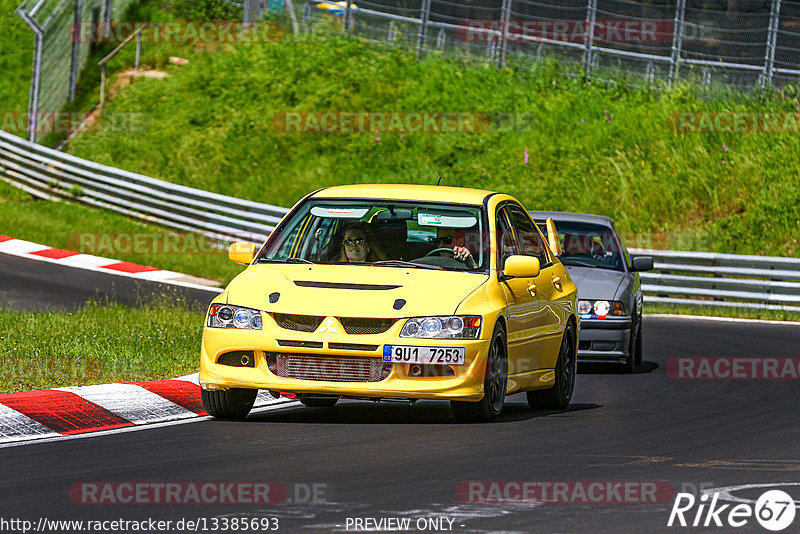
(356, 241)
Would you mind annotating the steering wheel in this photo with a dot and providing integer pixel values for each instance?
(441, 249)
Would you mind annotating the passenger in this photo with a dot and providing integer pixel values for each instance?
(446, 238)
(357, 248)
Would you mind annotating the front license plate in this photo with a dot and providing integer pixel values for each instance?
(433, 355)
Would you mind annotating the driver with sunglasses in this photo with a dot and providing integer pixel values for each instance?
(356, 248)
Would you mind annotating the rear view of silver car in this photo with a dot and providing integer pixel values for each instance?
(609, 291)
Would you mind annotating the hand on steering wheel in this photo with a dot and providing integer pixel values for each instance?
(440, 249)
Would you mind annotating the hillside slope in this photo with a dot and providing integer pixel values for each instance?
(593, 148)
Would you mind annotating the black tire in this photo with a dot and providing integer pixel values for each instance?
(639, 351)
(495, 383)
(630, 362)
(318, 401)
(559, 395)
(234, 403)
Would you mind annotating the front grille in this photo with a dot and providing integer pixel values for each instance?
(302, 323)
(352, 346)
(364, 325)
(303, 344)
(333, 369)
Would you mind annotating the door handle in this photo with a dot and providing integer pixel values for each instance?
(532, 289)
(557, 282)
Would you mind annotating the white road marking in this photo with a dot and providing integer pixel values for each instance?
(724, 319)
(18, 247)
(278, 405)
(726, 492)
(132, 402)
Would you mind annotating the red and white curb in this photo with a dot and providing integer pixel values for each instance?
(34, 251)
(70, 411)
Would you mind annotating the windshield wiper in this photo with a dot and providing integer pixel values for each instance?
(577, 263)
(287, 260)
(401, 263)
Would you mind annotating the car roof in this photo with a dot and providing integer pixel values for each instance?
(541, 216)
(434, 193)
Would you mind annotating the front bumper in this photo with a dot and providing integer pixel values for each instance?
(605, 340)
(466, 383)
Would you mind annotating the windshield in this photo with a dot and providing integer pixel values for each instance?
(382, 233)
(588, 245)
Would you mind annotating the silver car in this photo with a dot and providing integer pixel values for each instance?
(609, 291)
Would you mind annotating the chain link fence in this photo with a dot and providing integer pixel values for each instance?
(60, 51)
(736, 43)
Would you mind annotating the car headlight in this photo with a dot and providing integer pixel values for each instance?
(599, 309)
(452, 326)
(227, 316)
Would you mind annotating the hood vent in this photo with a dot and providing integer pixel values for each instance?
(344, 285)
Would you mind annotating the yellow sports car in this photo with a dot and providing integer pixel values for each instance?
(388, 292)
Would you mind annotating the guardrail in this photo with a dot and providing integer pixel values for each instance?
(728, 280)
(686, 278)
(53, 175)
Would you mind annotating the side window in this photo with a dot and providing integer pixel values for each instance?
(530, 241)
(506, 244)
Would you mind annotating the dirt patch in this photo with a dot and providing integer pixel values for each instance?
(127, 77)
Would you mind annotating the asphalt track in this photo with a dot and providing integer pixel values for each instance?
(34, 285)
(408, 461)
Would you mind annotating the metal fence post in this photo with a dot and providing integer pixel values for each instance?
(677, 41)
(307, 15)
(109, 6)
(772, 38)
(425, 15)
(138, 51)
(505, 11)
(248, 11)
(36, 72)
(348, 14)
(76, 29)
(588, 36)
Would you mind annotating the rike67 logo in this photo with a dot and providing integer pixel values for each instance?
(774, 510)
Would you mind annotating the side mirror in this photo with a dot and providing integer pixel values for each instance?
(521, 267)
(642, 263)
(242, 253)
(552, 237)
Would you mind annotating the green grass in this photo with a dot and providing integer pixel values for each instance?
(16, 57)
(61, 225)
(98, 344)
(211, 126)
